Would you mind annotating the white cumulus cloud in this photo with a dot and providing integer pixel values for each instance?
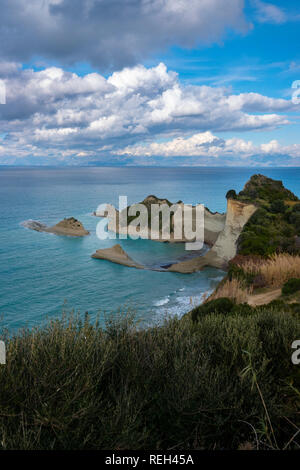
(53, 110)
(208, 145)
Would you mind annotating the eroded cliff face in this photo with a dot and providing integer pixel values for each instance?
(213, 222)
(238, 214)
(225, 247)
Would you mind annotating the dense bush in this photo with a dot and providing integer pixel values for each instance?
(278, 206)
(214, 384)
(294, 217)
(291, 287)
(231, 194)
(222, 305)
(236, 272)
(256, 240)
(296, 208)
(227, 307)
(276, 222)
(267, 233)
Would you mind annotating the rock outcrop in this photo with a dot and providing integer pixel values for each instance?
(117, 255)
(214, 223)
(70, 227)
(221, 232)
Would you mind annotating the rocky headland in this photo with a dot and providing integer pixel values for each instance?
(221, 232)
(263, 219)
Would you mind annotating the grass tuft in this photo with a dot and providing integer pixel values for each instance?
(234, 289)
(276, 270)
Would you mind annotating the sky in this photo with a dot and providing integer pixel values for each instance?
(150, 82)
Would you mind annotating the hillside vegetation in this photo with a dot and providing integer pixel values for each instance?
(257, 280)
(225, 382)
(275, 226)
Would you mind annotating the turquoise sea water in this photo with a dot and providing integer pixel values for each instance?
(40, 273)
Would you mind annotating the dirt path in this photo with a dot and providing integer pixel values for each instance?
(265, 298)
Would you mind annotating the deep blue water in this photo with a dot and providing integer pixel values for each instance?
(41, 274)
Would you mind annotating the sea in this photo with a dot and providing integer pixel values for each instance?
(43, 275)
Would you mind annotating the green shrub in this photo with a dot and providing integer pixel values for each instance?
(296, 208)
(291, 286)
(237, 272)
(255, 242)
(231, 194)
(181, 385)
(277, 303)
(295, 308)
(294, 219)
(278, 207)
(242, 309)
(222, 305)
(260, 217)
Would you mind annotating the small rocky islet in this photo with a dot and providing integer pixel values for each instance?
(69, 227)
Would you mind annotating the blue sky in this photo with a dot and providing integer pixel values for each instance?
(150, 82)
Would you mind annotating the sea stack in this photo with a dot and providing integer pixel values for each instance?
(117, 255)
(69, 227)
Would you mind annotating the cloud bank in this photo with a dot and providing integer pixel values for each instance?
(111, 33)
(58, 114)
(208, 145)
